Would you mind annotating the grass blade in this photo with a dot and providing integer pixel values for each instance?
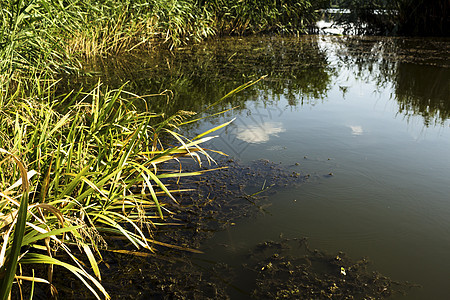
(11, 264)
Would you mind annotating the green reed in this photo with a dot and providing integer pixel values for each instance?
(252, 16)
(93, 172)
(49, 36)
(80, 167)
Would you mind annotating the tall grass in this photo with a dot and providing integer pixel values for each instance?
(93, 159)
(94, 172)
(42, 35)
(252, 16)
(27, 41)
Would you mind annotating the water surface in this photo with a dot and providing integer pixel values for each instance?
(367, 117)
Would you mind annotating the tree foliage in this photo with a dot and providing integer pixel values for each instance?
(402, 17)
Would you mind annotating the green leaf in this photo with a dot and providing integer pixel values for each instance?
(28, 239)
(35, 258)
(19, 231)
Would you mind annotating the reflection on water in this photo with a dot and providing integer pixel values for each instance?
(296, 69)
(423, 90)
(418, 69)
(374, 112)
(259, 133)
(299, 70)
(356, 130)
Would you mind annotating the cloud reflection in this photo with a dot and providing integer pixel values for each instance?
(259, 133)
(356, 130)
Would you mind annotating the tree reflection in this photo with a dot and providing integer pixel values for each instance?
(299, 70)
(197, 76)
(417, 69)
(423, 90)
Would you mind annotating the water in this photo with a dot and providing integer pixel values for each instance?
(373, 112)
(388, 198)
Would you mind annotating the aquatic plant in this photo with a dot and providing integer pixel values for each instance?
(94, 158)
(28, 43)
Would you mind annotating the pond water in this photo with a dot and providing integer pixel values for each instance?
(368, 118)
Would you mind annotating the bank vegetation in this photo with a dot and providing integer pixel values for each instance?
(80, 167)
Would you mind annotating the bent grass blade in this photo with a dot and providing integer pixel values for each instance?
(33, 258)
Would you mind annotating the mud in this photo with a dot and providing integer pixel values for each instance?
(219, 198)
(284, 269)
(289, 269)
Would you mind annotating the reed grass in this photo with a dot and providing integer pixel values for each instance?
(51, 36)
(251, 16)
(93, 164)
(78, 168)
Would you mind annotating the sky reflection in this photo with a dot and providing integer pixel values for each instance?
(260, 133)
